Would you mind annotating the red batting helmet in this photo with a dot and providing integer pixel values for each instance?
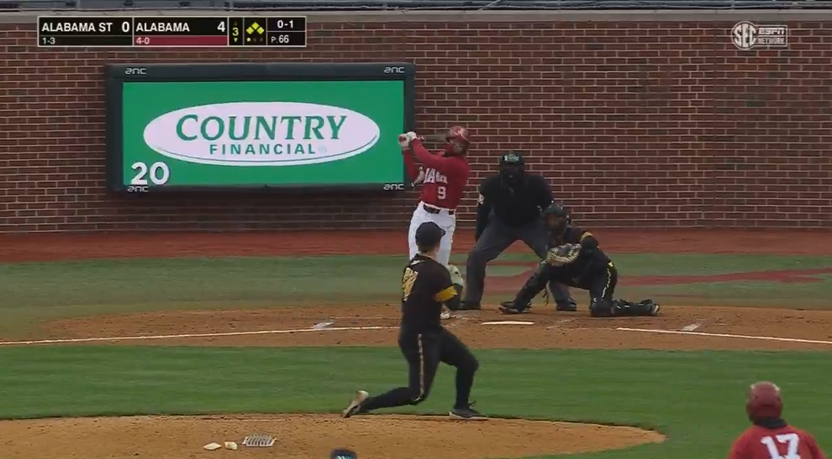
(459, 133)
(458, 139)
(764, 401)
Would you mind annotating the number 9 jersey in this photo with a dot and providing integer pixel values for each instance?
(446, 176)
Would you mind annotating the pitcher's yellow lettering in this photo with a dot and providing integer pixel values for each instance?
(408, 279)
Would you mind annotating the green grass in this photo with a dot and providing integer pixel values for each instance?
(689, 264)
(36, 292)
(812, 295)
(694, 398)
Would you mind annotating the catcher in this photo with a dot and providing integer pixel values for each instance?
(575, 259)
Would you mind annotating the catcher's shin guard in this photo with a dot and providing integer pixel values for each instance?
(534, 285)
(454, 304)
(600, 307)
(628, 308)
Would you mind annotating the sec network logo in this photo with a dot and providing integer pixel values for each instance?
(747, 35)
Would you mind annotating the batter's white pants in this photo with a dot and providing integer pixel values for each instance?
(444, 220)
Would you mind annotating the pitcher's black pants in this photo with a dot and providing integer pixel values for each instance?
(423, 352)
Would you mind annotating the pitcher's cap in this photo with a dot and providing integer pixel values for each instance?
(429, 234)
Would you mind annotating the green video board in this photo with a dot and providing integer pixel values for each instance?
(257, 126)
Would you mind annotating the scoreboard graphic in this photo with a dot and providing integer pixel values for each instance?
(179, 32)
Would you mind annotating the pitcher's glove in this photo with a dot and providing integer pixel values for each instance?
(563, 254)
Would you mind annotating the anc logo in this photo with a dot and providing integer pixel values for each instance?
(261, 134)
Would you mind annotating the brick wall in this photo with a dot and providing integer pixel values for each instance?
(655, 120)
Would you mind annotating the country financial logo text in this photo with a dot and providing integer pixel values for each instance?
(261, 134)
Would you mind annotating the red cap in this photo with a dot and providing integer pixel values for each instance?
(764, 401)
(458, 132)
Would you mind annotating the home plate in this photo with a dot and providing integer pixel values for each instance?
(508, 322)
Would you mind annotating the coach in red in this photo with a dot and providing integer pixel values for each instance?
(770, 437)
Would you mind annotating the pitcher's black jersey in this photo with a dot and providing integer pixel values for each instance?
(426, 285)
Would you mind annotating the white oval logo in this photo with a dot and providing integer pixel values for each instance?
(261, 134)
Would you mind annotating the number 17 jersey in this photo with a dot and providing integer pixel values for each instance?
(785, 442)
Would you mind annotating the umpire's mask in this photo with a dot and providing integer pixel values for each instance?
(512, 168)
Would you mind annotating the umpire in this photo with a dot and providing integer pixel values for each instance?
(510, 206)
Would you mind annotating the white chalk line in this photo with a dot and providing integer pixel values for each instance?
(307, 330)
(186, 335)
(725, 335)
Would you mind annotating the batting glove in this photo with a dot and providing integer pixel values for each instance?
(403, 141)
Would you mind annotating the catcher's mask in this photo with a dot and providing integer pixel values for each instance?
(557, 218)
(512, 167)
(457, 139)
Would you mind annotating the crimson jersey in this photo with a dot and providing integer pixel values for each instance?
(780, 443)
(445, 176)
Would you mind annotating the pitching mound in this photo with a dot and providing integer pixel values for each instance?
(310, 436)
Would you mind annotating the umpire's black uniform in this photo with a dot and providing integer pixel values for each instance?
(426, 285)
(510, 206)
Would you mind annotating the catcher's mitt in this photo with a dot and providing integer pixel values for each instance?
(563, 254)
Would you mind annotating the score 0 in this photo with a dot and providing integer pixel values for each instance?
(126, 26)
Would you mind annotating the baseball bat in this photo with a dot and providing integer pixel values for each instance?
(432, 138)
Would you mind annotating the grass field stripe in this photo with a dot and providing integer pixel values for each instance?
(725, 335)
(187, 335)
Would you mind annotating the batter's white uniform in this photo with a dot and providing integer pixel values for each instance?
(443, 179)
(444, 219)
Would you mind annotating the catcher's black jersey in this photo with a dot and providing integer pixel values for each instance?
(426, 285)
(590, 252)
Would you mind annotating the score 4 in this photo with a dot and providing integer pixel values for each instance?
(157, 174)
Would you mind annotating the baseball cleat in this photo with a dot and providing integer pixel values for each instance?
(655, 310)
(355, 404)
(470, 306)
(568, 307)
(513, 310)
(508, 307)
(445, 315)
(468, 414)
